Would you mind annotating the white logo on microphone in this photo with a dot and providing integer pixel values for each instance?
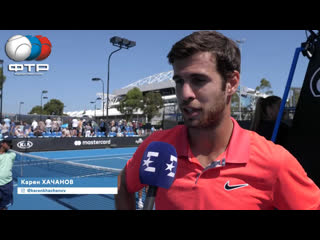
(170, 166)
(153, 169)
(148, 161)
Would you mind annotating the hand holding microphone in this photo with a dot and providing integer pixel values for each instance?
(157, 169)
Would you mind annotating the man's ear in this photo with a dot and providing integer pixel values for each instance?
(233, 82)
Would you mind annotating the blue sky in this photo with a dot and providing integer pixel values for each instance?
(79, 55)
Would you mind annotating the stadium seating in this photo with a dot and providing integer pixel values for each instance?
(31, 135)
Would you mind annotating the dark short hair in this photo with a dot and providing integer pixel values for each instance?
(225, 50)
(6, 139)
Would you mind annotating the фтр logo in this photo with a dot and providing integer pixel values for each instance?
(20, 48)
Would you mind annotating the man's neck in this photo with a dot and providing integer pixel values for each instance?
(208, 143)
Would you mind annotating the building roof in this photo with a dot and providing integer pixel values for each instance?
(153, 82)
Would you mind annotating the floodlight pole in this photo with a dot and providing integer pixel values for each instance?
(108, 78)
(99, 79)
(121, 43)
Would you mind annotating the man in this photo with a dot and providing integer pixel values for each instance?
(6, 162)
(48, 125)
(7, 121)
(34, 125)
(75, 127)
(220, 165)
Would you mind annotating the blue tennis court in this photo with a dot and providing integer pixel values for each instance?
(75, 162)
(112, 158)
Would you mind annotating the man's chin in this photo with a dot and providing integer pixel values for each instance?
(193, 123)
(198, 124)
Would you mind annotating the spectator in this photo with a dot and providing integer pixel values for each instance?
(55, 125)
(66, 132)
(18, 132)
(75, 125)
(26, 128)
(37, 132)
(7, 121)
(265, 117)
(12, 129)
(102, 125)
(6, 182)
(114, 129)
(95, 127)
(48, 124)
(42, 126)
(59, 122)
(80, 128)
(88, 130)
(34, 125)
(4, 128)
(84, 124)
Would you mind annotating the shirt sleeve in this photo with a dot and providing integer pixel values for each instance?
(293, 189)
(12, 155)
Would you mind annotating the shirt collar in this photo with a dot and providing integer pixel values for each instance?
(236, 152)
(182, 143)
(239, 145)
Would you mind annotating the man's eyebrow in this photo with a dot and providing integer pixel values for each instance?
(198, 75)
(191, 75)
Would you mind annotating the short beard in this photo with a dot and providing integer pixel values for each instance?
(213, 116)
(212, 119)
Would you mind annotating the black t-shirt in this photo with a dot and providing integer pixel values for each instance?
(266, 129)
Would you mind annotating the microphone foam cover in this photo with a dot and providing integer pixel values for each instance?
(158, 165)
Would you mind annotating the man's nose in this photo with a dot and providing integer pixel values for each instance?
(187, 92)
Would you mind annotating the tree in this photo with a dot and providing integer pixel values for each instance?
(235, 102)
(265, 87)
(2, 78)
(152, 104)
(35, 110)
(53, 107)
(131, 102)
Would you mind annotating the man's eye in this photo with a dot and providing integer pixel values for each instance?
(198, 81)
(178, 81)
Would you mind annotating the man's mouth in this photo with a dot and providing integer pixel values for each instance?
(191, 112)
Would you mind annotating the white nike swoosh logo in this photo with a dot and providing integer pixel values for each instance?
(228, 187)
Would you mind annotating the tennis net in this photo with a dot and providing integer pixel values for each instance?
(28, 165)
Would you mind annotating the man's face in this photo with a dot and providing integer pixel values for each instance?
(5, 146)
(201, 97)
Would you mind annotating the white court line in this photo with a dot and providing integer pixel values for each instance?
(122, 158)
(98, 159)
(97, 156)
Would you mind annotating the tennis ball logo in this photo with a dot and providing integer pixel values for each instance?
(20, 48)
(45, 47)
